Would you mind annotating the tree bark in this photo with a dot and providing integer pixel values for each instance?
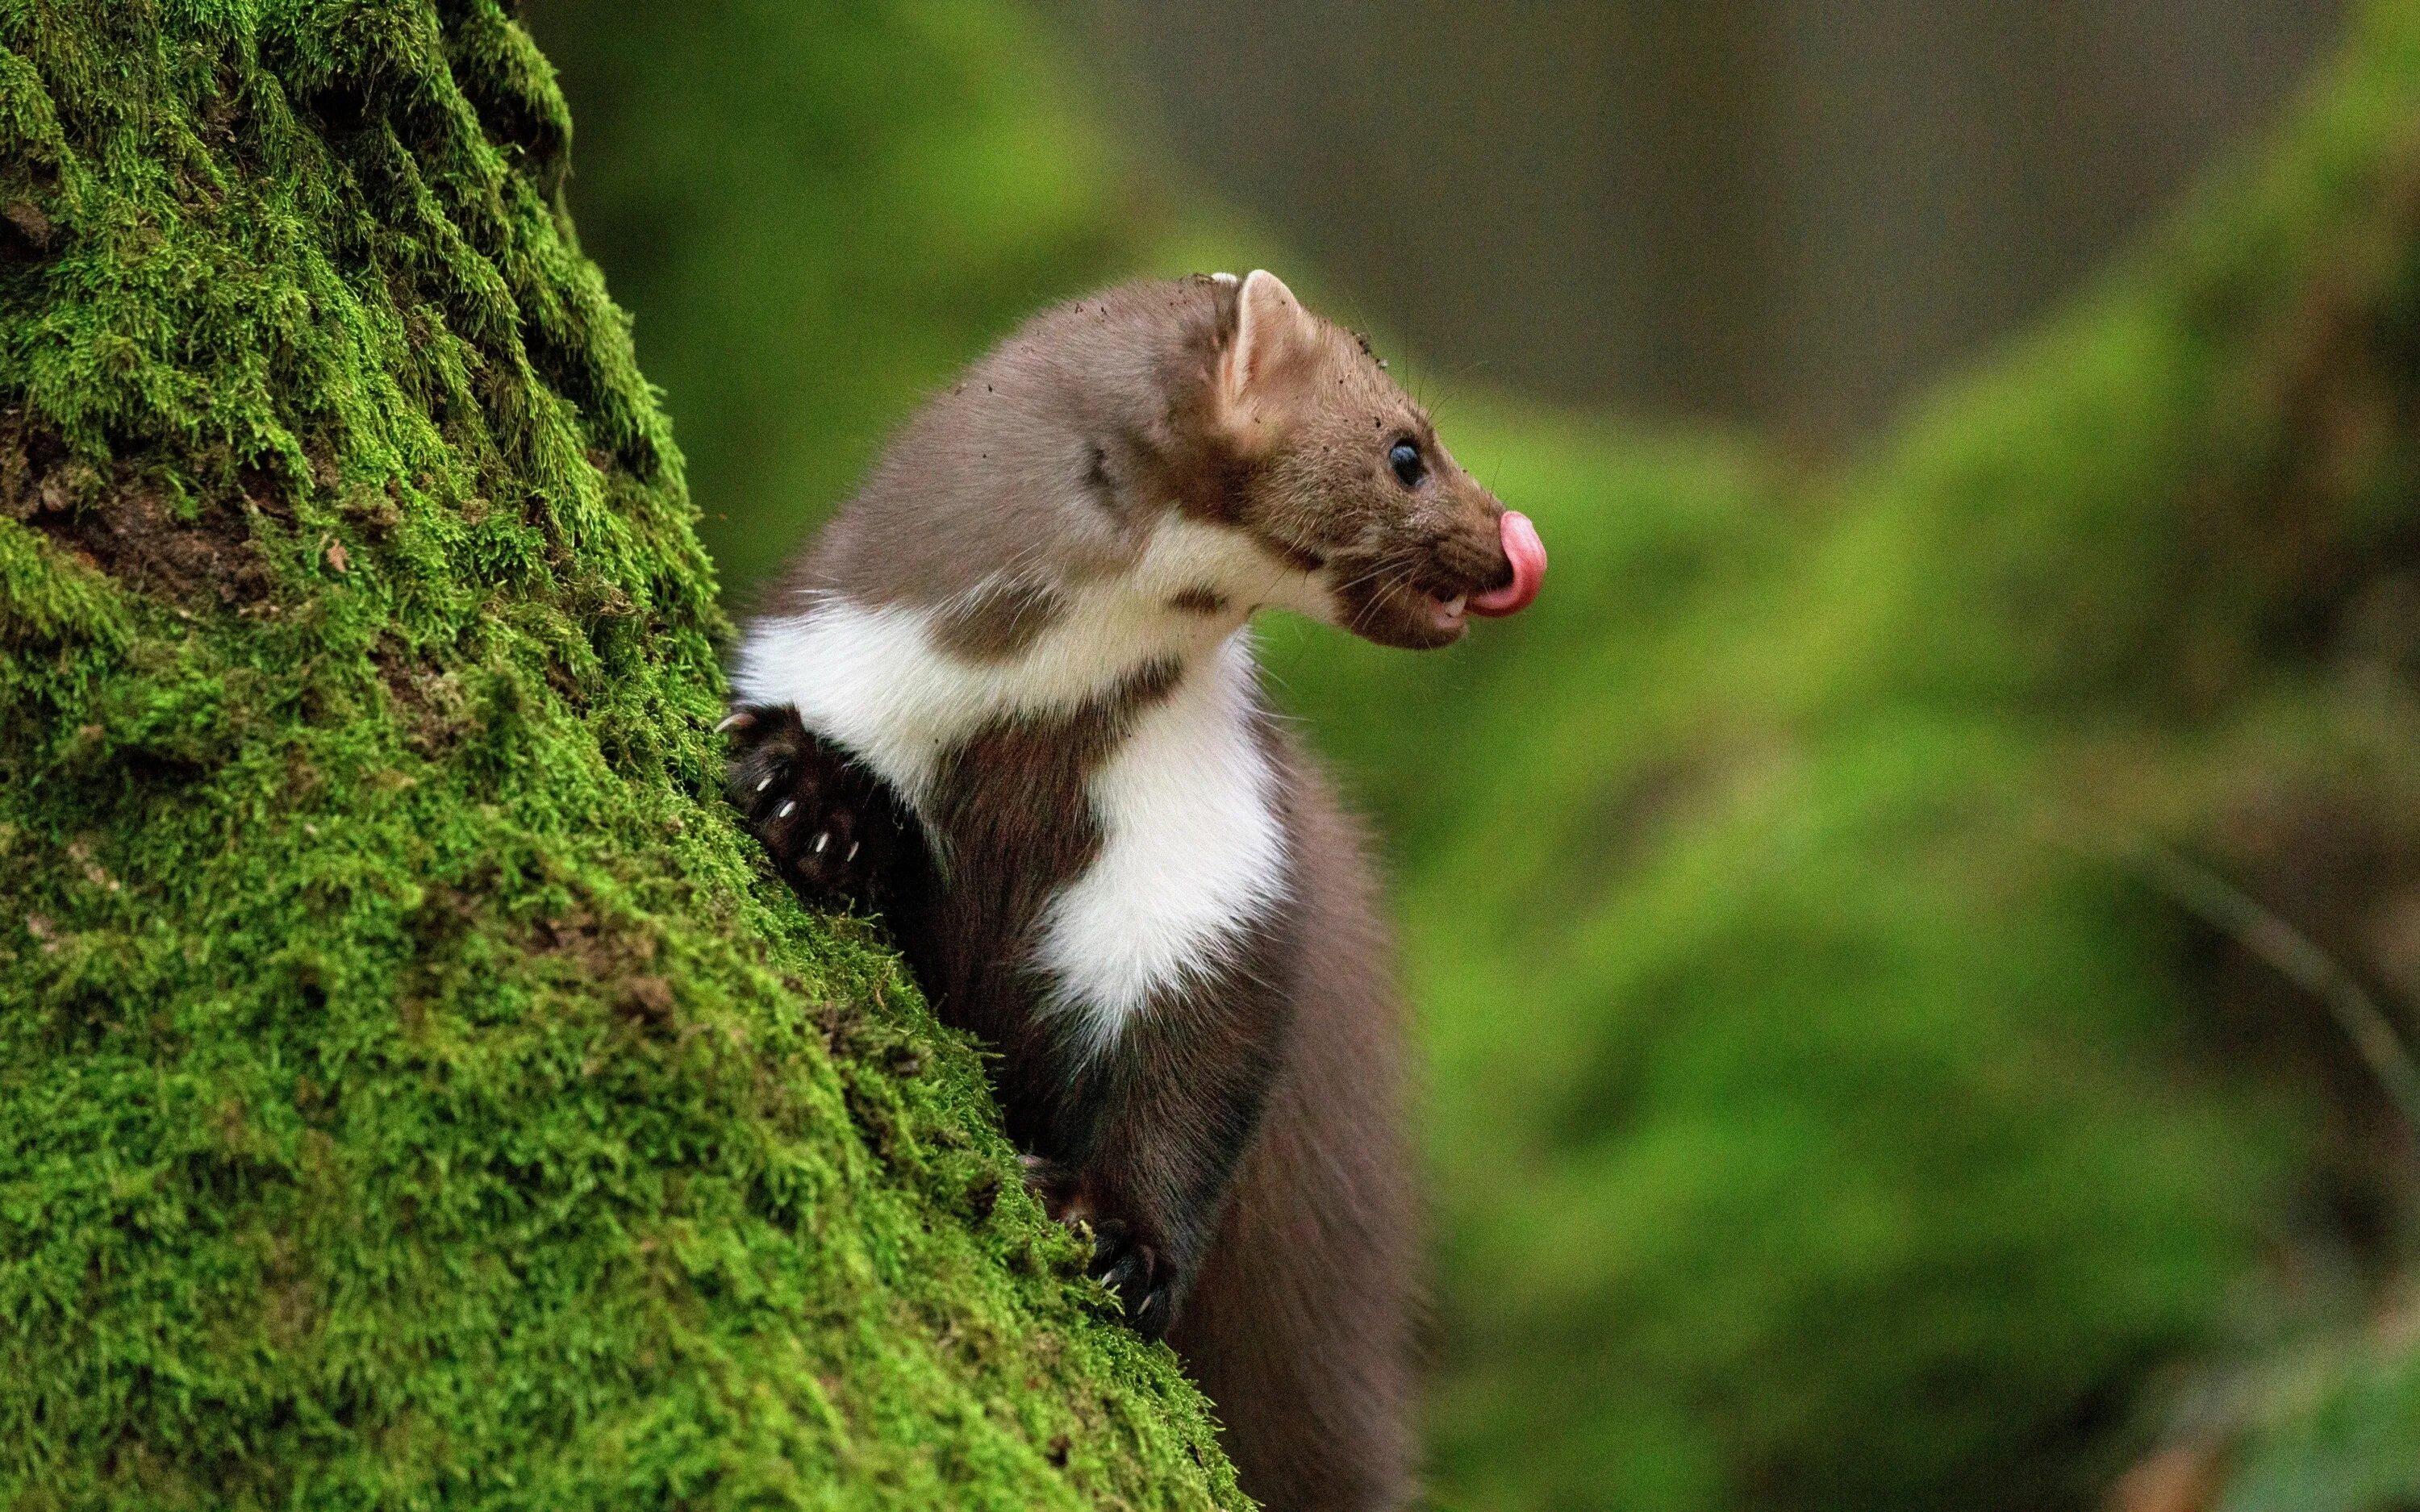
(413, 1089)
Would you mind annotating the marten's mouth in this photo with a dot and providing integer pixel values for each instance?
(1430, 600)
(1523, 552)
(1528, 554)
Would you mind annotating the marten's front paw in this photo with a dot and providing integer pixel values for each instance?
(832, 828)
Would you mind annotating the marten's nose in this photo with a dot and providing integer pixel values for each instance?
(1528, 555)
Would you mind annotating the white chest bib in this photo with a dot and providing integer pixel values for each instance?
(1191, 849)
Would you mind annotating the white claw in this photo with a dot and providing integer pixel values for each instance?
(764, 781)
(790, 807)
(733, 721)
(852, 852)
(821, 840)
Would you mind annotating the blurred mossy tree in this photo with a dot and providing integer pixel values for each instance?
(411, 1094)
(1836, 1099)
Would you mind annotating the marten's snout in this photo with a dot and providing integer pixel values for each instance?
(1415, 584)
(1527, 554)
(1493, 570)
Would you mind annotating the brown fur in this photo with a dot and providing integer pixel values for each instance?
(1121, 399)
(1237, 1150)
(999, 622)
(1253, 1123)
(1200, 601)
(1299, 1327)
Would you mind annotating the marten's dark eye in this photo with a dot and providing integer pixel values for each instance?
(1406, 461)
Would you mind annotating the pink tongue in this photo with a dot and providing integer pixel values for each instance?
(1529, 556)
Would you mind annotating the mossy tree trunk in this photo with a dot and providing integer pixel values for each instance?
(413, 1091)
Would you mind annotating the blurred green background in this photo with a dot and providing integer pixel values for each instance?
(1885, 927)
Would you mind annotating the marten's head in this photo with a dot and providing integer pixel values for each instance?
(1336, 470)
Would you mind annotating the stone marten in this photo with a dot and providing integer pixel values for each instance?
(1008, 700)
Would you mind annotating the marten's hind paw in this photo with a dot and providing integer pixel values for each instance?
(1131, 1268)
(1121, 1261)
(832, 828)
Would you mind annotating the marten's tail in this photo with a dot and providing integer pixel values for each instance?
(1300, 1326)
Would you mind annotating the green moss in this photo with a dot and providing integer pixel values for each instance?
(413, 1091)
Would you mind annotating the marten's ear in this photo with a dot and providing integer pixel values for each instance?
(1272, 331)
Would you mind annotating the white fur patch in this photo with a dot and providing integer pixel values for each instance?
(1191, 851)
(870, 679)
(1190, 553)
(876, 680)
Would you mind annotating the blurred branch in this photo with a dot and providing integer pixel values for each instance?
(2293, 955)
